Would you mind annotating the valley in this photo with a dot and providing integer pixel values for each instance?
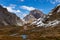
(38, 26)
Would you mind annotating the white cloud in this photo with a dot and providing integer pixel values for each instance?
(27, 8)
(11, 9)
(54, 1)
(57, 0)
(24, 14)
(17, 12)
(21, 0)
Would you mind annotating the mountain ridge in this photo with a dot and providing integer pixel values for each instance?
(52, 19)
(33, 15)
(8, 18)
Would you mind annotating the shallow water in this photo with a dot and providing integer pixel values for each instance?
(24, 36)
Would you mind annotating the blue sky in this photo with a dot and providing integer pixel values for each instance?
(22, 7)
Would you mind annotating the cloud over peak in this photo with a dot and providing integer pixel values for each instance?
(27, 8)
(11, 7)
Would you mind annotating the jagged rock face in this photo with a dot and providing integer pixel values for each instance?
(37, 14)
(29, 18)
(52, 19)
(54, 14)
(33, 15)
(8, 18)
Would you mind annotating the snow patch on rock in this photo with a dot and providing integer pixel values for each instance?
(50, 14)
(39, 23)
(58, 10)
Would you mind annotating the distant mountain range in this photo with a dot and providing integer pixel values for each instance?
(35, 17)
(52, 19)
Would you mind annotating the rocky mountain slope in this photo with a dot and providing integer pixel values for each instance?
(52, 19)
(33, 15)
(8, 18)
(45, 28)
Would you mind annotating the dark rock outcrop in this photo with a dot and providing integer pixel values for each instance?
(8, 18)
(34, 15)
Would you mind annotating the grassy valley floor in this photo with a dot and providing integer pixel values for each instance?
(32, 33)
